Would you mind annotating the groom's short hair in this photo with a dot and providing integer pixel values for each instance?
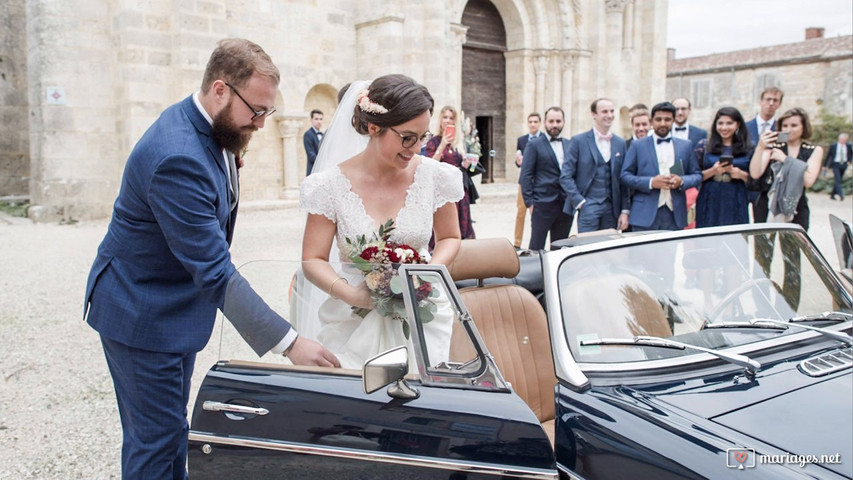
(235, 60)
(402, 97)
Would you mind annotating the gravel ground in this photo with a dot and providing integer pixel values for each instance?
(58, 415)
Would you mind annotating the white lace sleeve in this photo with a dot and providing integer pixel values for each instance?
(315, 197)
(448, 185)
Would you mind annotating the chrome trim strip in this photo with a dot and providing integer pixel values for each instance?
(397, 459)
(565, 471)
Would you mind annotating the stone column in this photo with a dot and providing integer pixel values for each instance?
(567, 70)
(628, 31)
(457, 39)
(613, 47)
(540, 67)
(288, 128)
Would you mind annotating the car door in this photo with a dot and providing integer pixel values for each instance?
(456, 419)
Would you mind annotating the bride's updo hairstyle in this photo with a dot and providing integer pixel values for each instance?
(402, 97)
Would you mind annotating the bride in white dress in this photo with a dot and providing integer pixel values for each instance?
(354, 195)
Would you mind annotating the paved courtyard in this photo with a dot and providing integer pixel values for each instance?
(58, 416)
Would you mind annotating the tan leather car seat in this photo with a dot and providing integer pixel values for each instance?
(511, 322)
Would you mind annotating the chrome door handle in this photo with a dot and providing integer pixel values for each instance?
(228, 407)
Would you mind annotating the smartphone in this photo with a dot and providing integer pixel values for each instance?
(726, 160)
(449, 131)
(782, 137)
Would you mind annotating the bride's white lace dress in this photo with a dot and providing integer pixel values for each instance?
(329, 193)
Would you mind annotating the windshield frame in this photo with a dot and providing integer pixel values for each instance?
(576, 372)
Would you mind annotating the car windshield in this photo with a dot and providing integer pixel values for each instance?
(676, 288)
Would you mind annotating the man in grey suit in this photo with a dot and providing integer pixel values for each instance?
(163, 268)
(590, 174)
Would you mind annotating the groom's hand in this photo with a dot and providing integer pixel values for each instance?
(309, 352)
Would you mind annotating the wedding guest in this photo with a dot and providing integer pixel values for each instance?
(533, 133)
(312, 138)
(449, 147)
(540, 182)
(682, 128)
(163, 268)
(724, 160)
(838, 157)
(640, 123)
(790, 168)
(769, 102)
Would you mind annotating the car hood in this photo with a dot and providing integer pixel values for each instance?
(794, 412)
(814, 420)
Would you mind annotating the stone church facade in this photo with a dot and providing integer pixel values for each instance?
(81, 81)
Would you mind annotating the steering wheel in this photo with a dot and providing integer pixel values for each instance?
(737, 292)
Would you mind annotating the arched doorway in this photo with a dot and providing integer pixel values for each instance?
(484, 81)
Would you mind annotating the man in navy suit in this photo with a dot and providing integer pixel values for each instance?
(163, 268)
(682, 128)
(590, 174)
(640, 123)
(312, 138)
(838, 156)
(540, 182)
(659, 169)
(770, 101)
(533, 133)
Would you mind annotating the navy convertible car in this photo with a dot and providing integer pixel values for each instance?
(701, 354)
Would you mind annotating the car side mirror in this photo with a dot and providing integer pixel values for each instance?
(386, 368)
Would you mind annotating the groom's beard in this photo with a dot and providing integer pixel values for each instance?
(227, 134)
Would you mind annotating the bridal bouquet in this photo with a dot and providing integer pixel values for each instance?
(379, 259)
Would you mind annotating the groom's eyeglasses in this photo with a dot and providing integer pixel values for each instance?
(411, 140)
(257, 113)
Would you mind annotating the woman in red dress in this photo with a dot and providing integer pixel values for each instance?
(448, 147)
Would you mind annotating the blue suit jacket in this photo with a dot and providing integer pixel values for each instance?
(312, 145)
(579, 170)
(752, 128)
(540, 172)
(641, 164)
(163, 267)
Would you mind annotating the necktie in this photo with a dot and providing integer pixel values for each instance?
(842, 153)
(680, 129)
(667, 139)
(235, 183)
(555, 139)
(765, 126)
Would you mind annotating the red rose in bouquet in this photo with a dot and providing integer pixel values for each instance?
(379, 259)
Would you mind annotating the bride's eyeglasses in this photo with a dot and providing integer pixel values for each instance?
(410, 140)
(257, 113)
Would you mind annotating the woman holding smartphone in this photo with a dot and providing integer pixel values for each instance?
(788, 182)
(724, 160)
(449, 147)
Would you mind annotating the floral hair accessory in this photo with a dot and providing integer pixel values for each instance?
(366, 105)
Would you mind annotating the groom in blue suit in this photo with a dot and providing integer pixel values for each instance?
(659, 169)
(540, 182)
(590, 174)
(163, 268)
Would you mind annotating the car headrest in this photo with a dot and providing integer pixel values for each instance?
(484, 258)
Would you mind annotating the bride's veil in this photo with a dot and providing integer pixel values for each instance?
(340, 142)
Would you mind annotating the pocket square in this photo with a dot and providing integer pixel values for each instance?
(618, 154)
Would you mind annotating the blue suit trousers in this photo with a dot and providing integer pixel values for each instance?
(152, 389)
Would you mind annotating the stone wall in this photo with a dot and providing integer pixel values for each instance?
(118, 64)
(15, 139)
(814, 74)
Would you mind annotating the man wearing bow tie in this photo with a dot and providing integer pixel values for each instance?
(590, 174)
(659, 168)
(770, 101)
(540, 182)
(311, 139)
(682, 128)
